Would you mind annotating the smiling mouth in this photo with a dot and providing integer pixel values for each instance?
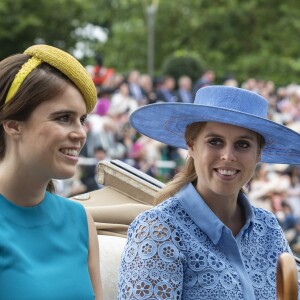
(70, 152)
(225, 172)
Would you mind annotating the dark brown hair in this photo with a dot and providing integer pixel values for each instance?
(42, 84)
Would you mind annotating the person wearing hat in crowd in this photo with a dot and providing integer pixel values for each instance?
(205, 240)
(48, 244)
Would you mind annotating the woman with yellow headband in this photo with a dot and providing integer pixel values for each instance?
(48, 244)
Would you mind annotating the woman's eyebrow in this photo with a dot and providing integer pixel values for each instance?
(245, 136)
(61, 112)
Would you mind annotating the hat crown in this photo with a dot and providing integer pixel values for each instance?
(232, 98)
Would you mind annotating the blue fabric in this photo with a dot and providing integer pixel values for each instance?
(44, 251)
(181, 250)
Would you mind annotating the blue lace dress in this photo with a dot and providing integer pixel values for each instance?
(44, 251)
(181, 250)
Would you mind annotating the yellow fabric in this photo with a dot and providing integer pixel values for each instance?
(69, 66)
(31, 64)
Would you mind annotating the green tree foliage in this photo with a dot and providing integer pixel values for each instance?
(240, 37)
(25, 22)
(244, 38)
(183, 63)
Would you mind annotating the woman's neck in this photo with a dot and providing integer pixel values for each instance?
(20, 188)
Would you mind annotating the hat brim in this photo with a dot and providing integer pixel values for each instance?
(166, 122)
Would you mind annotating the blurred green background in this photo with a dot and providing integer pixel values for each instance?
(250, 38)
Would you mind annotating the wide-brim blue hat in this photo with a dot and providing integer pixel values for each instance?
(167, 122)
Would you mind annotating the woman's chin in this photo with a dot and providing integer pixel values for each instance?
(66, 174)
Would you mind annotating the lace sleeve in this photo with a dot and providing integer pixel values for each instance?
(151, 265)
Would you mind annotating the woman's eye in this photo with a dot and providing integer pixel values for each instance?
(215, 142)
(63, 118)
(83, 120)
(243, 144)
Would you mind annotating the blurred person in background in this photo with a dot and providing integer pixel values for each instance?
(100, 73)
(184, 91)
(146, 84)
(251, 85)
(230, 81)
(139, 160)
(166, 90)
(135, 90)
(293, 191)
(122, 98)
(207, 78)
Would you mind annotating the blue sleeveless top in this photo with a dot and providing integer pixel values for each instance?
(44, 251)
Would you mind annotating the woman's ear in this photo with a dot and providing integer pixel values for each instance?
(258, 156)
(190, 149)
(12, 128)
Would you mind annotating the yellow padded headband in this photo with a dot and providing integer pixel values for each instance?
(31, 64)
(62, 61)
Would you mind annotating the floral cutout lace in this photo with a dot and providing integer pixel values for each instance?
(168, 256)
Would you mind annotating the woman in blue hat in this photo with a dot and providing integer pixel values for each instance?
(205, 240)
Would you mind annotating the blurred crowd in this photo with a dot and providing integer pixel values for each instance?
(110, 136)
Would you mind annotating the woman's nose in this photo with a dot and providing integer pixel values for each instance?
(228, 153)
(79, 133)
